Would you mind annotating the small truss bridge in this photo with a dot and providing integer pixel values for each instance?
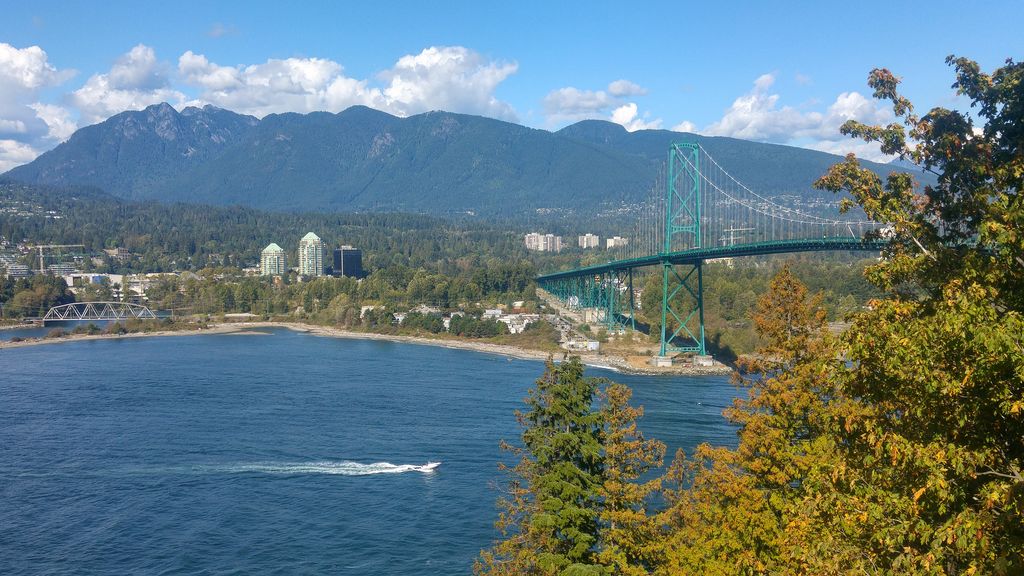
(99, 311)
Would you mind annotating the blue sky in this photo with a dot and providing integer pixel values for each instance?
(777, 72)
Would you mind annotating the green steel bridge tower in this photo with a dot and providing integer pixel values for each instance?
(699, 213)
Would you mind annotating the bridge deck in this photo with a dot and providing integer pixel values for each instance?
(695, 256)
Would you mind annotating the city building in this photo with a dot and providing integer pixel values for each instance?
(616, 242)
(118, 253)
(18, 271)
(543, 242)
(590, 241)
(348, 261)
(533, 241)
(61, 269)
(311, 255)
(273, 261)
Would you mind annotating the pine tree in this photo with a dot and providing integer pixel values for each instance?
(549, 516)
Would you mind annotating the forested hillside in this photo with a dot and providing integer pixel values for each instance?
(365, 160)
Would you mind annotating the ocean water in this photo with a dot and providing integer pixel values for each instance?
(279, 453)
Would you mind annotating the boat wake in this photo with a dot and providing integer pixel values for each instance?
(340, 468)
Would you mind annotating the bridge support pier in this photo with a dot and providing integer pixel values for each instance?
(688, 320)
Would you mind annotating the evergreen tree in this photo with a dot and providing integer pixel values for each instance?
(550, 515)
(898, 449)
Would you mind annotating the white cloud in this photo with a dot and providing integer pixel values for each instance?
(275, 86)
(755, 116)
(447, 78)
(58, 120)
(862, 149)
(27, 69)
(138, 70)
(566, 105)
(627, 116)
(625, 88)
(136, 80)
(12, 127)
(685, 126)
(571, 104)
(14, 153)
(758, 116)
(24, 73)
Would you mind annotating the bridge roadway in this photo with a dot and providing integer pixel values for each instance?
(696, 256)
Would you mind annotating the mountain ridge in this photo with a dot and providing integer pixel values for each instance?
(361, 159)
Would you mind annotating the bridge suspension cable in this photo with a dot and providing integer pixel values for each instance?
(697, 212)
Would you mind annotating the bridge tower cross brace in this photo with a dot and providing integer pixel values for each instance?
(682, 217)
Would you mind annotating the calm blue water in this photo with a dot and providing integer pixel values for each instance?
(255, 454)
(40, 331)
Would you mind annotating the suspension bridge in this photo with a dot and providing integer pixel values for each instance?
(698, 213)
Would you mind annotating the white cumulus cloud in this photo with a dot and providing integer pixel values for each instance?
(570, 104)
(58, 120)
(14, 153)
(757, 115)
(627, 116)
(449, 78)
(24, 73)
(686, 126)
(275, 86)
(136, 80)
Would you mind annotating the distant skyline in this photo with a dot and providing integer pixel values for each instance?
(788, 74)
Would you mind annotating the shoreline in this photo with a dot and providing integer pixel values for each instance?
(603, 362)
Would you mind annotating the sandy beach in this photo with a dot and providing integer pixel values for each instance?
(632, 365)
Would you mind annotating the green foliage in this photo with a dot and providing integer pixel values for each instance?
(629, 534)
(730, 296)
(906, 456)
(575, 503)
(165, 237)
(34, 296)
(895, 448)
(362, 159)
(550, 515)
(937, 364)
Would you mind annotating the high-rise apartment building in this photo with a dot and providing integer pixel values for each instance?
(311, 255)
(552, 243)
(590, 241)
(273, 261)
(533, 241)
(543, 242)
(617, 242)
(348, 261)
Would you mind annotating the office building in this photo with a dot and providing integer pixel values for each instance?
(273, 261)
(348, 261)
(311, 255)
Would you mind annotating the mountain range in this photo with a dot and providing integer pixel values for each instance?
(362, 159)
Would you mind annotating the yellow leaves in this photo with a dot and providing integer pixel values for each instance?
(919, 493)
